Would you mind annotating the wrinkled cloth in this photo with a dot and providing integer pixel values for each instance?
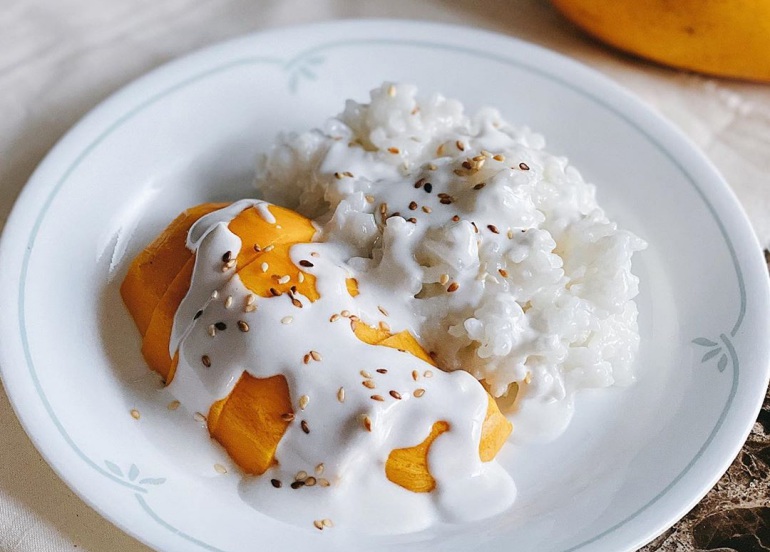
(59, 58)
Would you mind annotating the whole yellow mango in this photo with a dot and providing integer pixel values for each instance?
(728, 38)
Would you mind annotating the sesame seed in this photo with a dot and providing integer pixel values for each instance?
(220, 469)
(466, 165)
(523, 166)
(276, 483)
(327, 523)
(228, 265)
(382, 310)
(288, 417)
(479, 185)
(395, 394)
(503, 272)
(243, 326)
(459, 172)
(427, 374)
(479, 163)
(412, 220)
(304, 426)
(391, 90)
(348, 174)
(212, 330)
(443, 279)
(419, 183)
(493, 228)
(365, 374)
(198, 315)
(377, 398)
(319, 469)
(319, 524)
(345, 313)
(446, 201)
(306, 358)
(274, 292)
(338, 176)
(460, 145)
(301, 476)
(301, 277)
(284, 279)
(214, 294)
(198, 417)
(314, 254)
(323, 482)
(428, 187)
(250, 298)
(394, 151)
(310, 481)
(206, 361)
(412, 205)
(510, 234)
(432, 167)
(297, 484)
(440, 150)
(419, 392)
(135, 414)
(316, 356)
(384, 326)
(426, 209)
(367, 421)
(305, 263)
(499, 157)
(257, 248)
(264, 267)
(287, 320)
(221, 326)
(173, 405)
(341, 394)
(456, 218)
(269, 248)
(475, 228)
(368, 383)
(334, 317)
(303, 401)
(249, 308)
(227, 257)
(383, 208)
(382, 370)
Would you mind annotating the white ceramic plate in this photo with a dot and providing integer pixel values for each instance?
(632, 462)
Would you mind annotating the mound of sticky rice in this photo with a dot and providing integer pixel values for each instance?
(472, 236)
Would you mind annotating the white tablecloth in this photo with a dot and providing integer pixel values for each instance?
(58, 58)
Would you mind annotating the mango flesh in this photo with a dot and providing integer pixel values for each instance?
(250, 422)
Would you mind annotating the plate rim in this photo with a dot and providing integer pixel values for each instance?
(36, 185)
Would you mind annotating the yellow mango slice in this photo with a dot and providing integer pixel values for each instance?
(408, 467)
(157, 265)
(250, 422)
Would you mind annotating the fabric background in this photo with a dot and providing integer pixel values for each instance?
(59, 58)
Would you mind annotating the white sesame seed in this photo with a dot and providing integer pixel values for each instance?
(345, 313)
(316, 356)
(212, 330)
(198, 417)
(367, 421)
(319, 469)
(365, 374)
(284, 279)
(249, 308)
(419, 392)
(214, 294)
(428, 374)
(250, 298)
(301, 277)
(327, 523)
(301, 476)
(443, 279)
(323, 482)
(334, 317)
(264, 267)
(220, 469)
(135, 414)
(229, 301)
(303, 401)
(173, 405)
(391, 90)
(269, 248)
(319, 524)
(287, 320)
(341, 394)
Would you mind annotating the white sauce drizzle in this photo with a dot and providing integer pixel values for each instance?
(359, 495)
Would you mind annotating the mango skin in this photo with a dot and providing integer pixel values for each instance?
(728, 38)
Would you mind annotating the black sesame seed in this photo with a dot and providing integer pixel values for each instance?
(227, 257)
(276, 483)
(304, 426)
(523, 166)
(198, 315)
(305, 263)
(297, 484)
(206, 361)
(221, 326)
(428, 187)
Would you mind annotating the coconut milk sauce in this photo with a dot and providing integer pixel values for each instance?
(280, 335)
